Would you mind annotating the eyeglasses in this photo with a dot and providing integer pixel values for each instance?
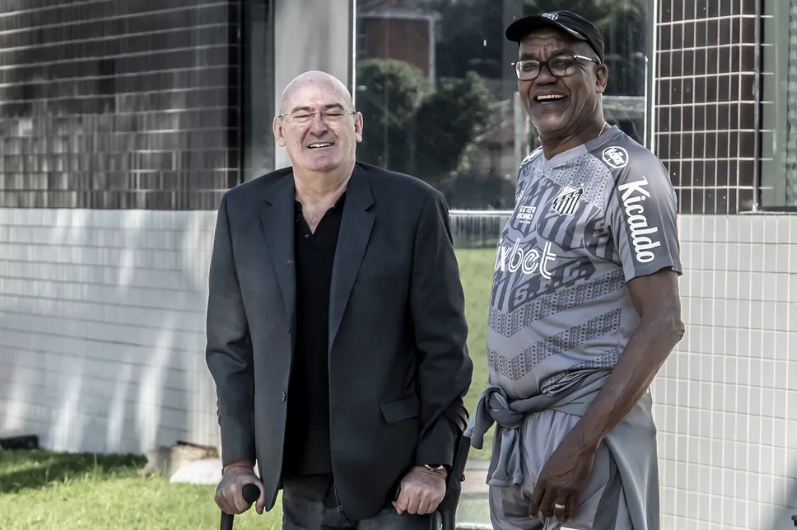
(559, 66)
(303, 117)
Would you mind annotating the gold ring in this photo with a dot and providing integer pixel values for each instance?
(559, 506)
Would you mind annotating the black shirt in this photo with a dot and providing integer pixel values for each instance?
(307, 446)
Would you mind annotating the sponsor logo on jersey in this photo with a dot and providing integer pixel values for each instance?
(633, 195)
(566, 203)
(512, 258)
(526, 213)
(615, 156)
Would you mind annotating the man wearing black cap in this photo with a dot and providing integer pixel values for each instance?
(584, 306)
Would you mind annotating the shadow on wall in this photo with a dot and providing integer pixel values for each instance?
(102, 318)
(102, 325)
(786, 516)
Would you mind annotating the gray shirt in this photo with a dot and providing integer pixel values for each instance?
(585, 223)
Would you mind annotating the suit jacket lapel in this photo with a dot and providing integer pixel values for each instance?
(355, 230)
(278, 220)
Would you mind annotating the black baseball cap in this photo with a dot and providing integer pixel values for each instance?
(567, 21)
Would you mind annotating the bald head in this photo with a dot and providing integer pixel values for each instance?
(316, 79)
(318, 125)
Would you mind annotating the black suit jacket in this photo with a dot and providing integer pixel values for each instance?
(398, 361)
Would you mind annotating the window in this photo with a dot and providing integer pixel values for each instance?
(439, 96)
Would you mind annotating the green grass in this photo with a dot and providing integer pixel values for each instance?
(473, 511)
(476, 270)
(56, 491)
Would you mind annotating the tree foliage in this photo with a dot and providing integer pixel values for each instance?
(415, 128)
(602, 13)
(389, 94)
(471, 35)
(430, 130)
(448, 121)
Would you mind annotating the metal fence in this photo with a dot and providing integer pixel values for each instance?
(477, 228)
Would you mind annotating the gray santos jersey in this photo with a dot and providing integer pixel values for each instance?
(585, 222)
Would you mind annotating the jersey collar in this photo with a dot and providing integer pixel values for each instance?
(580, 150)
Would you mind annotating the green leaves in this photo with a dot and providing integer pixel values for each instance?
(415, 128)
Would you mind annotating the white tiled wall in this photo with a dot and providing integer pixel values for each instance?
(102, 328)
(102, 335)
(727, 398)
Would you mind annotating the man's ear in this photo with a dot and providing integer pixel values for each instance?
(601, 78)
(358, 127)
(279, 133)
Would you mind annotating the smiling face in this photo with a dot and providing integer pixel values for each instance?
(561, 106)
(318, 127)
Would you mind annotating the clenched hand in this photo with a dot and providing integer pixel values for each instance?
(421, 491)
(229, 492)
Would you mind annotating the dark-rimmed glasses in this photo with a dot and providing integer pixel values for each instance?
(559, 66)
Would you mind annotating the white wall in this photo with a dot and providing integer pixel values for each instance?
(726, 401)
(102, 328)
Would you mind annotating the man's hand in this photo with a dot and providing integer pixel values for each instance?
(562, 479)
(229, 492)
(421, 491)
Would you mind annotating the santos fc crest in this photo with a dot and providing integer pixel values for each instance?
(566, 203)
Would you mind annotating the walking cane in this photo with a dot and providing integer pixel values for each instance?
(251, 493)
(448, 506)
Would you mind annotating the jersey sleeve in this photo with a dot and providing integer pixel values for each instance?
(643, 218)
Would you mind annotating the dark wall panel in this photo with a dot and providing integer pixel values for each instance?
(119, 104)
(705, 102)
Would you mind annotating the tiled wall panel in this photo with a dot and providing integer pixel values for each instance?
(119, 104)
(705, 106)
(726, 400)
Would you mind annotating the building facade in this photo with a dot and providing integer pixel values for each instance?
(123, 123)
(386, 29)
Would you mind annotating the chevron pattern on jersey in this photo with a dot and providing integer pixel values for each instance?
(518, 366)
(510, 324)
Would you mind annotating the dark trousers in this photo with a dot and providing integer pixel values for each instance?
(311, 503)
